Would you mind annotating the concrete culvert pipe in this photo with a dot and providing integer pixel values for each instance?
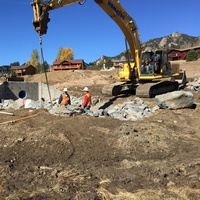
(22, 94)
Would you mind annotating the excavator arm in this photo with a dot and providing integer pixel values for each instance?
(138, 74)
(128, 26)
(112, 7)
(41, 12)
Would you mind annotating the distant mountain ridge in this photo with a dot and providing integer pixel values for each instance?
(174, 41)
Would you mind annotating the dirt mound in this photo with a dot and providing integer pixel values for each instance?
(86, 158)
(192, 68)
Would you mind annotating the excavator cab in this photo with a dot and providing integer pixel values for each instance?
(147, 63)
(156, 75)
(154, 64)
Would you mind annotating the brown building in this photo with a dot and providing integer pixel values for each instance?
(118, 64)
(181, 54)
(24, 70)
(68, 64)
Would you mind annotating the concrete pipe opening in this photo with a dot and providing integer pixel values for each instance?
(22, 94)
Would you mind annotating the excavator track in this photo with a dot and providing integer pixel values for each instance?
(112, 89)
(150, 90)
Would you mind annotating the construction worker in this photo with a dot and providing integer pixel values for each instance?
(64, 98)
(87, 100)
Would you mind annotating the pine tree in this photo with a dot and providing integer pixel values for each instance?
(109, 63)
(15, 64)
(192, 55)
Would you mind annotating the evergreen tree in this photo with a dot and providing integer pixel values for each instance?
(109, 63)
(15, 64)
(192, 55)
(45, 67)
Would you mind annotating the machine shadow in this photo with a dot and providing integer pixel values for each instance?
(123, 94)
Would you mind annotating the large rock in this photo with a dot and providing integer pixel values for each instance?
(194, 85)
(175, 100)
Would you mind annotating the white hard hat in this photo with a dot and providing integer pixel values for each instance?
(86, 89)
(65, 90)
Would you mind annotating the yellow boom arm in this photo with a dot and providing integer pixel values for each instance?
(112, 7)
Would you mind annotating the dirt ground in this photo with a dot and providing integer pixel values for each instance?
(49, 157)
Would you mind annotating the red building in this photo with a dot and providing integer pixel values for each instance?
(68, 64)
(181, 54)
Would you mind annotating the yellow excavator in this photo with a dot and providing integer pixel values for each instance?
(150, 72)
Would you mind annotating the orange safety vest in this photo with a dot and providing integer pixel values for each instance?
(89, 101)
(65, 99)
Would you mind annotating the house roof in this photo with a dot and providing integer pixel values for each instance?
(21, 67)
(58, 62)
(186, 49)
(122, 61)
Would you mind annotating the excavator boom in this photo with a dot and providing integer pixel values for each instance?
(147, 66)
(112, 7)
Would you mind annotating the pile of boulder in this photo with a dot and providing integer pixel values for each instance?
(133, 110)
(129, 110)
(194, 85)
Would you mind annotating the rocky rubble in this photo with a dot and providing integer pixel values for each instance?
(129, 110)
(194, 85)
(132, 110)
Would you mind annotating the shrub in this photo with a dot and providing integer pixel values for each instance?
(192, 55)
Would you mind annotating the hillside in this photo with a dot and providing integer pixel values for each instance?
(192, 68)
(175, 40)
(95, 79)
(73, 79)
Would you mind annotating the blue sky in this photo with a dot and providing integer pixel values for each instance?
(88, 30)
